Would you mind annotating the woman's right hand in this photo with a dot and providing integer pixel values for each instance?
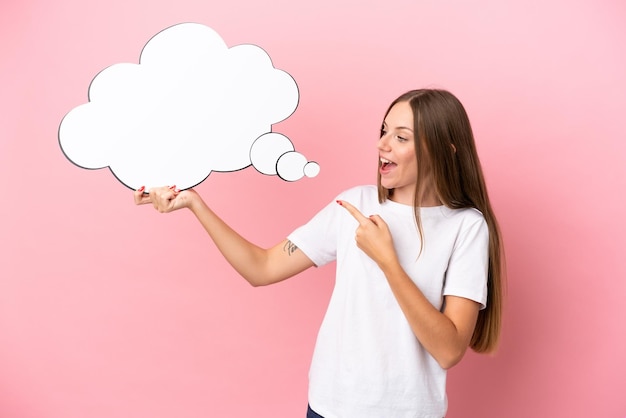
(165, 199)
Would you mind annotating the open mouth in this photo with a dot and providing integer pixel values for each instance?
(386, 165)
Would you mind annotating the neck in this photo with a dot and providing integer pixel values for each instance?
(429, 198)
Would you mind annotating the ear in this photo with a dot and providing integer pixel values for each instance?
(453, 147)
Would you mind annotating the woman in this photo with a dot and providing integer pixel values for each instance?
(417, 283)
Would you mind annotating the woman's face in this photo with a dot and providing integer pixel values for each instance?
(396, 149)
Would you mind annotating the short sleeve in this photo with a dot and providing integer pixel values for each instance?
(318, 237)
(468, 268)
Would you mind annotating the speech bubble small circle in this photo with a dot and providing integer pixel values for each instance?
(311, 169)
(266, 151)
(290, 166)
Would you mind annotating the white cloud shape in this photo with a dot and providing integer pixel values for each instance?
(191, 106)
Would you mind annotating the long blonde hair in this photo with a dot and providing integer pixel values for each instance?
(445, 150)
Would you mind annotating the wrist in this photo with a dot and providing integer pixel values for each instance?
(194, 202)
(389, 265)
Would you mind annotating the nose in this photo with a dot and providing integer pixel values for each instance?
(383, 143)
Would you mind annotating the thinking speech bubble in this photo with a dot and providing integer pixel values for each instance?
(191, 106)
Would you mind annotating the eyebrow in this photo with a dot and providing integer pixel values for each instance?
(399, 127)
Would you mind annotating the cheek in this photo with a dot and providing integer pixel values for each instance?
(409, 159)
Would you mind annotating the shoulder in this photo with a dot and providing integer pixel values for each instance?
(466, 216)
(470, 225)
(458, 223)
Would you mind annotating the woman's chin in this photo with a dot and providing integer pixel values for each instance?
(387, 184)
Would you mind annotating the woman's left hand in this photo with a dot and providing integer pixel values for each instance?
(373, 236)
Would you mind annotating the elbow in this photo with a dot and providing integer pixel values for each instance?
(448, 363)
(255, 277)
(450, 359)
(263, 277)
(254, 281)
(258, 280)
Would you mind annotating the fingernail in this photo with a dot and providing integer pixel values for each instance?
(339, 201)
(172, 187)
(141, 188)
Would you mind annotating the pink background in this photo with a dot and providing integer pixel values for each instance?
(110, 310)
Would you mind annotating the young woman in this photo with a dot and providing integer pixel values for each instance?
(419, 266)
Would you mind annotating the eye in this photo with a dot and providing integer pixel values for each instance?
(401, 139)
(382, 131)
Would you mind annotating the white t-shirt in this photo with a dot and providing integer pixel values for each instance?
(367, 361)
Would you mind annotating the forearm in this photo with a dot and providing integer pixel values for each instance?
(248, 259)
(257, 265)
(435, 331)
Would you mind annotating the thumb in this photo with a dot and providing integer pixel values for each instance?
(140, 197)
(378, 221)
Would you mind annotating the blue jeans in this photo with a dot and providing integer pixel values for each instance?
(311, 413)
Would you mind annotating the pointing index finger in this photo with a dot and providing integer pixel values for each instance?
(353, 211)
